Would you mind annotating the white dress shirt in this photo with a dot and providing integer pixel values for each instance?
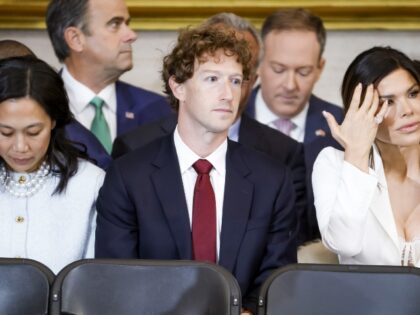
(187, 158)
(354, 212)
(80, 96)
(265, 116)
(52, 229)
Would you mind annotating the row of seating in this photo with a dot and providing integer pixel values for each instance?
(147, 287)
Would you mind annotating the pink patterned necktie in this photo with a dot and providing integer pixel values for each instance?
(284, 125)
(204, 214)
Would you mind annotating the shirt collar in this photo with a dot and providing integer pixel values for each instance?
(188, 157)
(264, 115)
(234, 130)
(80, 95)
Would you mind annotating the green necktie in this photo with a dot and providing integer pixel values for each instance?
(99, 125)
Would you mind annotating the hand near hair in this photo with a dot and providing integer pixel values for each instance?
(358, 131)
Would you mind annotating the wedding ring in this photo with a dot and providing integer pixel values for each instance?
(378, 119)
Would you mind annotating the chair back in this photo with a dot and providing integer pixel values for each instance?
(24, 287)
(109, 287)
(307, 289)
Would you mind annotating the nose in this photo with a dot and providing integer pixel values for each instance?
(227, 93)
(20, 144)
(290, 81)
(406, 108)
(130, 35)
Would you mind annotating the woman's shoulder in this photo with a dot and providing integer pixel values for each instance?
(87, 170)
(330, 155)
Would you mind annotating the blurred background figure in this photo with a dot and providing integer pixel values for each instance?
(75, 131)
(93, 39)
(13, 48)
(368, 197)
(291, 64)
(48, 189)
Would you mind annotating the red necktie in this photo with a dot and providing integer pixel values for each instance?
(204, 214)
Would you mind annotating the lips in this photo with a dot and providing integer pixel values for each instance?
(287, 98)
(409, 127)
(21, 161)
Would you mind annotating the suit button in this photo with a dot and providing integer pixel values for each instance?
(19, 219)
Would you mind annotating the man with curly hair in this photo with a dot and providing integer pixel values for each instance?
(158, 203)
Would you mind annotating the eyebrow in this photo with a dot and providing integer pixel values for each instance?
(119, 19)
(204, 71)
(415, 85)
(40, 124)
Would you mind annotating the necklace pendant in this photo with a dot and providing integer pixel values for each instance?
(22, 180)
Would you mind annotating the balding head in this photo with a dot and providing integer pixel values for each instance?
(12, 48)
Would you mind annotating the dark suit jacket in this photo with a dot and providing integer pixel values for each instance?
(252, 134)
(317, 137)
(142, 212)
(137, 106)
(82, 138)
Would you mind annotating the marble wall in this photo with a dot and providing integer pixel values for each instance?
(151, 46)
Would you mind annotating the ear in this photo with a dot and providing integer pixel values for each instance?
(178, 89)
(74, 38)
(320, 68)
(53, 124)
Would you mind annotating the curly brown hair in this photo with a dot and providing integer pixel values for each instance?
(196, 44)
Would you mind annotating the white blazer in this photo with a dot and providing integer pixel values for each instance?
(354, 211)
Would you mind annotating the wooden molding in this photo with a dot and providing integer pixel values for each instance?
(171, 15)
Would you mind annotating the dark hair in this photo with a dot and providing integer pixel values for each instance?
(370, 67)
(295, 19)
(193, 44)
(62, 14)
(33, 78)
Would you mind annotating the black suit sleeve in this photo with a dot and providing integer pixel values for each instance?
(299, 176)
(281, 245)
(117, 227)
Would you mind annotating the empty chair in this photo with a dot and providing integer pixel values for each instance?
(306, 289)
(24, 287)
(146, 287)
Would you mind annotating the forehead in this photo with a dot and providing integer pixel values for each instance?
(218, 62)
(107, 9)
(292, 46)
(398, 81)
(23, 108)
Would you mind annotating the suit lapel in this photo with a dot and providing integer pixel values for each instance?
(125, 116)
(170, 190)
(236, 206)
(312, 122)
(381, 206)
(250, 108)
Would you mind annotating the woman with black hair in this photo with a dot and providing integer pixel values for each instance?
(367, 198)
(48, 188)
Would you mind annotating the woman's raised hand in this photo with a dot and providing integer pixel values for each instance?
(358, 130)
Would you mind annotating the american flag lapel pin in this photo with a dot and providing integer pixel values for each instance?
(320, 133)
(129, 115)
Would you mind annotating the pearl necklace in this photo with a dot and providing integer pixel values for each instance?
(22, 188)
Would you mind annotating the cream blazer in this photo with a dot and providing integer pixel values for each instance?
(354, 211)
